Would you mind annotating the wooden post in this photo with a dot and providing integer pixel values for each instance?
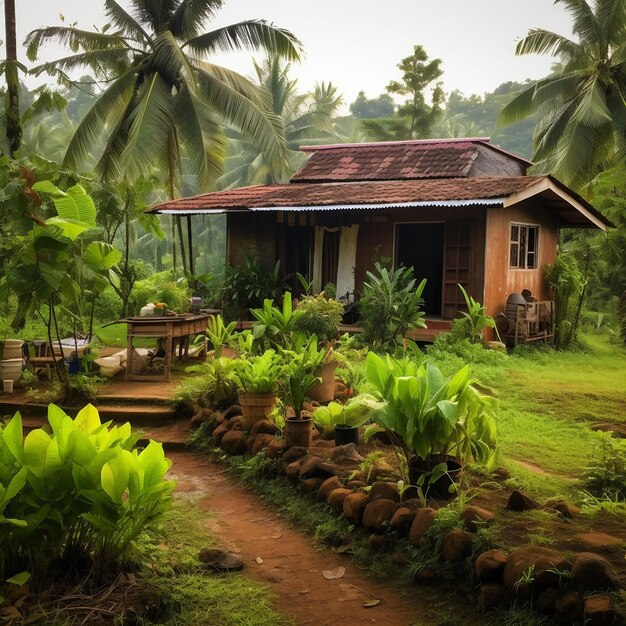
(190, 244)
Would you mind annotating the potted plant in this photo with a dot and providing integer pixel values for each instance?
(321, 316)
(303, 361)
(438, 424)
(343, 420)
(257, 379)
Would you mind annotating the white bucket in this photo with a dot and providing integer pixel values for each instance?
(11, 369)
(7, 386)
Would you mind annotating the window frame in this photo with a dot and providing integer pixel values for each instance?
(519, 259)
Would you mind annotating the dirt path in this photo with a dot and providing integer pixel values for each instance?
(290, 566)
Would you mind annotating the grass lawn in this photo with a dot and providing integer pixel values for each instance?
(548, 402)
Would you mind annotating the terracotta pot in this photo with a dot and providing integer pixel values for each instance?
(255, 407)
(346, 434)
(324, 391)
(298, 432)
(441, 487)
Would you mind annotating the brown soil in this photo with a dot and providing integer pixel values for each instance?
(283, 558)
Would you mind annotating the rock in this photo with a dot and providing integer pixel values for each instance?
(354, 505)
(456, 545)
(400, 558)
(599, 540)
(232, 411)
(598, 611)
(424, 519)
(547, 600)
(310, 485)
(377, 513)
(492, 596)
(327, 486)
(276, 448)
(618, 430)
(293, 454)
(413, 504)
(336, 498)
(378, 542)
(308, 467)
(562, 506)
(262, 440)
(541, 563)
(382, 490)
(221, 560)
(203, 415)
(593, 571)
(519, 502)
(220, 431)
(263, 426)
(346, 455)
(568, 608)
(427, 576)
(474, 517)
(236, 423)
(490, 566)
(234, 442)
(356, 484)
(402, 520)
(292, 470)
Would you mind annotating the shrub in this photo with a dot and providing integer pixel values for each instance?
(160, 288)
(321, 316)
(390, 305)
(606, 473)
(79, 495)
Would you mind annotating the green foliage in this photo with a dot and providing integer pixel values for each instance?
(356, 412)
(260, 374)
(213, 384)
(161, 287)
(476, 318)
(79, 492)
(390, 306)
(605, 476)
(247, 285)
(320, 316)
(372, 108)
(430, 418)
(219, 334)
(274, 327)
(568, 284)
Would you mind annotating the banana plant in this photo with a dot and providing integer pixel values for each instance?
(429, 418)
(274, 326)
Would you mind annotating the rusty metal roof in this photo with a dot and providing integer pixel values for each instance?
(396, 160)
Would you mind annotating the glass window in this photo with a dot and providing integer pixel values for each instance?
(523, 246)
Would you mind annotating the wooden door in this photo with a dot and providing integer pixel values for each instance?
(457, 267)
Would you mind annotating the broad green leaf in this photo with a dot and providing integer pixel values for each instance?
(88, 419)
(115, 474)
(19, 579)
(72, 229)
(85, 207)
(35, 447)
(45, 186)
(13, 435)
(100, 256)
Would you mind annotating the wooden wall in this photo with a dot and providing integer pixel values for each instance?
(501, 280)
(251, 234)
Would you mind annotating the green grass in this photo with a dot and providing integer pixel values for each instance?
(200, 596)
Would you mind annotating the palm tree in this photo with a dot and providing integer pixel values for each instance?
(13, 125)
(582, 104)
(162, 101)
(304, 118)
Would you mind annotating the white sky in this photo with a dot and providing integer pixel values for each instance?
(357, 44)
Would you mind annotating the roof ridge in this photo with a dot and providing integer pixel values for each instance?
(406, 142)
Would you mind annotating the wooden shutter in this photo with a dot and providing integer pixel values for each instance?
(457, 267)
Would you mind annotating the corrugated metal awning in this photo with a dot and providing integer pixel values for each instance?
(393, 205)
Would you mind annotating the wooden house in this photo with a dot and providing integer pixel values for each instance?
(460, 211)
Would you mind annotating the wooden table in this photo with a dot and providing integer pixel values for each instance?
(170, 327)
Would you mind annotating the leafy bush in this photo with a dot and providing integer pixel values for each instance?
(390, 305)
(321, 316)
(213, 386)
(160, 287)
(79, 495)
(606, 474)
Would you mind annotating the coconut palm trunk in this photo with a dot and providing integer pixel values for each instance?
(12, 105)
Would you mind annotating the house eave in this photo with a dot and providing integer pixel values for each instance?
(490, 202)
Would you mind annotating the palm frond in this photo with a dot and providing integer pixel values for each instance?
(170, 61)
(96, 60)
(111, 103)
(125, 22)
(237, 100)
(190, 15)
(201, 136)
(540, 41)
(520, 106)
(585, 23)
(149, 124)
(550, 130)
(611, 15)
(592, 110)
(250, 34)
(73, 38)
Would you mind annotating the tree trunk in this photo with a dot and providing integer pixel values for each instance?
(14, 128)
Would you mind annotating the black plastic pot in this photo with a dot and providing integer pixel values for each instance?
(346, 434)
(440, 488)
